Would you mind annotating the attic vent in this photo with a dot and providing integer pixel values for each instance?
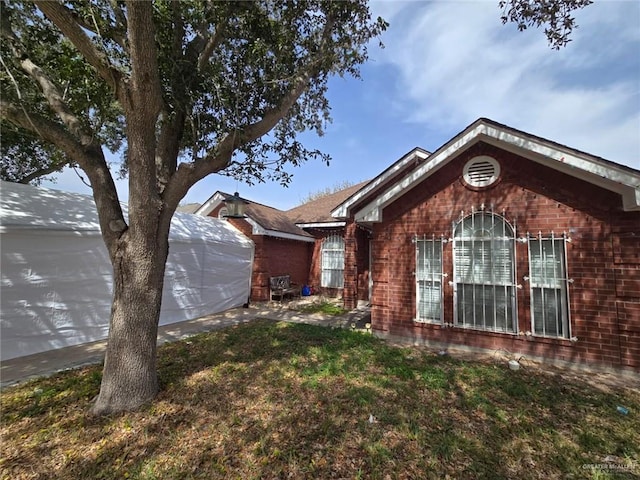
(481, 171)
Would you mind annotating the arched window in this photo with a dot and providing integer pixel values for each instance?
(484, 273)
(333, 262)
(223, 213)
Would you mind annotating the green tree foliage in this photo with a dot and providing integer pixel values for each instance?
(555, 15)
(189, 89)
(222, 66)
(181, 89)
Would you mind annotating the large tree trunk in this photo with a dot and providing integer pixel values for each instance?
(129, 376)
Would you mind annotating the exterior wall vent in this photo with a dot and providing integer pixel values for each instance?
(481, 171)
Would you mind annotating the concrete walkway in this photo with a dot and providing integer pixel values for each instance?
(46, 363)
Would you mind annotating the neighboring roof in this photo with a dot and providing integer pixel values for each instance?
(319, 210)
(188, 208)
(264, 220)
(367, 205)
(28, 208)
(271, 218)
(406, 163)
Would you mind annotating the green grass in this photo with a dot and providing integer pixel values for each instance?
(279, 400)
(323, 306)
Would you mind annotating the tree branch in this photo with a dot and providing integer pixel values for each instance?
(115, 33)
(219, 158)
(172, 126)
(56, 102)
(42, 172)
(145, 92)
(90, 158)
(210, 46)
(66, 23)
(50, 91)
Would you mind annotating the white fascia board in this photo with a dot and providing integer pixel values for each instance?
(585, 164)
(631, 200)
(342, 211)
(209, 206)
(258, 229)
(372, 212)
(321, 225)
(289, 236)
(584, 167)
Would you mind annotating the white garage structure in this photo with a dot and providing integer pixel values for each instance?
(57, 279)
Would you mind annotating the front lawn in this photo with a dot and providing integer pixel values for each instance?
(279, 400)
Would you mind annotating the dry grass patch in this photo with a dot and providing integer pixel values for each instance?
(275, 400)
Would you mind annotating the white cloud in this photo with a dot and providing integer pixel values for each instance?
(457, 62)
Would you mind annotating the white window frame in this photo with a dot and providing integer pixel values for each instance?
(557, 281)
(502, 279)
(432, 275)
(329, 266)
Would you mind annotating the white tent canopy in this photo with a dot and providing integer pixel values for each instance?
(56, 287)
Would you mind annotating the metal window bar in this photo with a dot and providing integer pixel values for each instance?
(429, 279)
(485, 272)
(549, 289)
(333, 262)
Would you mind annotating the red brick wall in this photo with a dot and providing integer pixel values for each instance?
(272, 257)
(602, 257)
(289, 257)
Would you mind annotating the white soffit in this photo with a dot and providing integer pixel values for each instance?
(564, 159)
(342, 210)
(321, 225)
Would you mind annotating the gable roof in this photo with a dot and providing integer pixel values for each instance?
(264, 220)
(188, 208)
(367, 205)
(406, 163)
(318, 211)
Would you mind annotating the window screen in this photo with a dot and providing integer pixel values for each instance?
(428, 280)
(484, 273)
(548, 280)
(333, 262)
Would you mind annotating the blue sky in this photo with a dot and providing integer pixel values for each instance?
(447, 63)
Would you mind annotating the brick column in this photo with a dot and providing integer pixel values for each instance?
(350, 292)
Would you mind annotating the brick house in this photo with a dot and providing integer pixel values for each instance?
(305, 242)
(502, 240)
(497, 240)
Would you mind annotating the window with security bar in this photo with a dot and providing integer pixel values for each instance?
(428, 279)
(549, 287)
(333, 262)
(484, 273)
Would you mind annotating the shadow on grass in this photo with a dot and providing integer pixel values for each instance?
(277, 400)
